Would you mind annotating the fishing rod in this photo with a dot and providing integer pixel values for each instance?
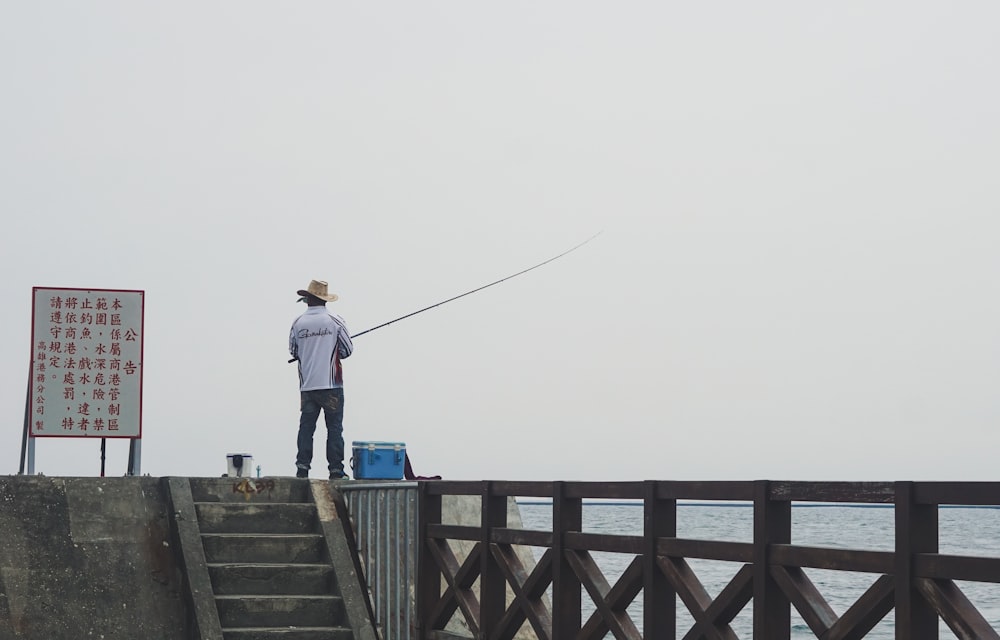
(485, 286)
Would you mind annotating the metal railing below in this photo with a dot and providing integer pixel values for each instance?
(384, 516)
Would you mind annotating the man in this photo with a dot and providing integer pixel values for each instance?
(319, 340)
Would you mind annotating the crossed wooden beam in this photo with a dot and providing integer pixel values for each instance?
(712, 616)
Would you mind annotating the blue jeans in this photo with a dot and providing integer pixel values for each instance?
(331, 401)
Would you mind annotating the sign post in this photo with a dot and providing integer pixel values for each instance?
(86, 366)
(27, 429)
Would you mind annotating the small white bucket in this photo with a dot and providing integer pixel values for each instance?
(240, 465)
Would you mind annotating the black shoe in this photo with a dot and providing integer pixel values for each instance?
(302, 473)
(338, 475)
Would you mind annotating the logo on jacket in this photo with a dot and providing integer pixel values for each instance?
(306, 333)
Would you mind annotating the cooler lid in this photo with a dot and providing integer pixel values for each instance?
(377, 444)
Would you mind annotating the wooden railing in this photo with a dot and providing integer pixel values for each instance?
(914, 580)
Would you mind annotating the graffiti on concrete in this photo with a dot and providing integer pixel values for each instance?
(249, 487)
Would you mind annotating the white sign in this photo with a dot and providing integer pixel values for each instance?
(86, 363)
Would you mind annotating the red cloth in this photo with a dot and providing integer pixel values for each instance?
(408, 471)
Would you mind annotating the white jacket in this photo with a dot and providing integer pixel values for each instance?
(319, 339)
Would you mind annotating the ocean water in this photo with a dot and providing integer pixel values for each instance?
(964, 531)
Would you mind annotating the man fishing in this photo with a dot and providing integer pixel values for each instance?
(319, 341)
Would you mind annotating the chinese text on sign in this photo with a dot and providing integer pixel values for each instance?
(86, 370)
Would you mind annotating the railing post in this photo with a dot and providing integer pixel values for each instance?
(659, 611)
(772, 524)
(916, 532)
(428, 573)
(492, 585)
(567, 515)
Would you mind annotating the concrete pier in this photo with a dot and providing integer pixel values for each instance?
(88, 558)
(177, 558)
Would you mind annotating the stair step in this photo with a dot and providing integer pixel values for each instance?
(288, 633)
(279, 517)
(271, 578)
(263, 548)
(280, 611)
(244, 490)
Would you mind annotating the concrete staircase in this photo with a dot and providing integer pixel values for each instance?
(271, 571)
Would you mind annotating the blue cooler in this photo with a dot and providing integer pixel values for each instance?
(378, 460)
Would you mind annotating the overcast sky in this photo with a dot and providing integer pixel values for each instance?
(796, 279)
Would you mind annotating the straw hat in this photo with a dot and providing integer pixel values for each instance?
(317, 289)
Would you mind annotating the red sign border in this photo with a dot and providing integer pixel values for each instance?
(142, 357)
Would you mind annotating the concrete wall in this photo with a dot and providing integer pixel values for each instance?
(88, 558)
(92, 558)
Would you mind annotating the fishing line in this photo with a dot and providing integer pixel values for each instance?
(485, 286)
